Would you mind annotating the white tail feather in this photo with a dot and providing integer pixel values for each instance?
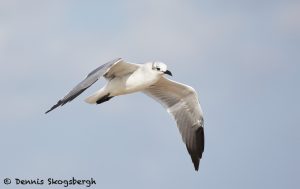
(94, 97)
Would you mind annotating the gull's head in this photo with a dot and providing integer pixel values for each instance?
(160, 68)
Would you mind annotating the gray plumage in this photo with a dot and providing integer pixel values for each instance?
(90, 79)
(181, 101)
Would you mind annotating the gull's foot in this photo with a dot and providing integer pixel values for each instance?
(104, 99)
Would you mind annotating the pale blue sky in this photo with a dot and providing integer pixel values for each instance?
(241, 56)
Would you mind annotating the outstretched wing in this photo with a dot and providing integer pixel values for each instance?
(111, 69)
(182, 102)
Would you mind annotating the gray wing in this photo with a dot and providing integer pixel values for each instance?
(111, 69)
(182, 102)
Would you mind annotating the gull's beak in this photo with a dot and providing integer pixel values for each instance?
(168, 72)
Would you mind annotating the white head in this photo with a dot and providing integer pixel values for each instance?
(161, 68)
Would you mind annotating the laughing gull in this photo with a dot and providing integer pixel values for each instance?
(180, 100)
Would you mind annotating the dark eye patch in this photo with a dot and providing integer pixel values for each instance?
(158, 69)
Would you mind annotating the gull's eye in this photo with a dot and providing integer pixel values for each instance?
(158, 69)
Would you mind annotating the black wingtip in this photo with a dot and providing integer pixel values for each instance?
(196, 161)
(59, 103)
(196, 155)
(196, 164)
(50, 109)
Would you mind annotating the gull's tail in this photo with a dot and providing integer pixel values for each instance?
(95, 97)
(98, 97)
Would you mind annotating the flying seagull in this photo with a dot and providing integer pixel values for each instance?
(180, 100)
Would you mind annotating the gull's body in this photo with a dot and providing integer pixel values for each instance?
(180, 100)
(127, 83)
